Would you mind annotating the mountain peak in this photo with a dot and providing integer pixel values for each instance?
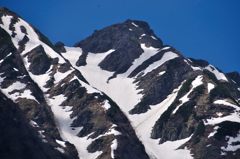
(121, 35)
(126, 39)
(138, 23)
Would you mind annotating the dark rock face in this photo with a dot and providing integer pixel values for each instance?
(40, 62)
(129, 144)
(156, 89)
(216, 143)
(82, 60)
(175, 126)
(198, 62)
(235, 76)
(116, 36)
(59, 46)
(18, 139)
(121, 59)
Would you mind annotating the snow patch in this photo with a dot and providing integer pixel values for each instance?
(234, 117)
(58, 76)
(194, 68)
(161, 73)
(62, 143)
(72, 54)
(106, 105)
(18, 87)
(219, 75)
(112, 131)
(231, 146)
(28, 95)
(60, 149)
(135, 25)
(141, 36)
(15, 86)
(33, 124)
(210, 86)
(41, 79)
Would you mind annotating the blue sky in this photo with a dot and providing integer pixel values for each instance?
(205, 29)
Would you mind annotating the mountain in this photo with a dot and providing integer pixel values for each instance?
(120, 93)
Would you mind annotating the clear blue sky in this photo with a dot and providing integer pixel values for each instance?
(205, 29)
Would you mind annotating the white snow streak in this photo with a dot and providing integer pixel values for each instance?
(161, 73)
(135, 25)
(113, 148)
(147, 53)
(154, 37)
(166, 57)
(197, 82)
(214, 132)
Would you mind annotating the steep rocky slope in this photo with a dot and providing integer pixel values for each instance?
(120, 93)
(69, 115)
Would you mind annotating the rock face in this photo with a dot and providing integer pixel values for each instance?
(19, 139)
(120, 93)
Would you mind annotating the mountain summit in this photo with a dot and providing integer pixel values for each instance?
(120, 93)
